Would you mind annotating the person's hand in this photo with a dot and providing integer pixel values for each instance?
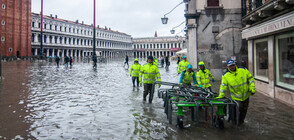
(213, 80)
(252, 91)
(159, 85)
(178, 73)
(130, 75)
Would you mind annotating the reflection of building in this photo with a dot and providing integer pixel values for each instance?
(62, 37)
(270, 34)
(15, 32)
(214, 33)
(157, 46)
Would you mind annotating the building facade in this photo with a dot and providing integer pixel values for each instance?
(157, 46)
(15, 31)
(214, 33)
(72, 38)
(270, 34)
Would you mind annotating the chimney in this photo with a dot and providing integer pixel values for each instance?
(82, 22)
(97, 26)
(55, 16)
(105, 28)
(51, 15)
(109, 28)
(77, 21)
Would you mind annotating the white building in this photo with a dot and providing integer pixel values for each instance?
(157, 46)
(63, 37)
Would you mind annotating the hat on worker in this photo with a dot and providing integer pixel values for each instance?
(184, 56)
(136, 60)
(150, 57)
(230, 62)
(189, 66)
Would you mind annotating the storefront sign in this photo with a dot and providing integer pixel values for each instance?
(272, 26)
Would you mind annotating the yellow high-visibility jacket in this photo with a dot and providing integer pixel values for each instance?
(202, 76)
(135, 70)
(240, 82)
(182, 66)
(150, 73)
(155, 62)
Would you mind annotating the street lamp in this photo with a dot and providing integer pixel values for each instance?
(94, 36)
(41, 44)
(172, 31)
(165, 19)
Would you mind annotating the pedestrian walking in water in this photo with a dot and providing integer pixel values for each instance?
(179, 59)
(95, 62)
(241, 85)
(203, 75)
(70, 61)
(66, 60)
(167, 63)
(150, 73)
(57, 59)
(126, 61)
(135, 72)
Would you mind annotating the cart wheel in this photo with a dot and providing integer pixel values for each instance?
(169, 114)
(180, 122)
(219, 123)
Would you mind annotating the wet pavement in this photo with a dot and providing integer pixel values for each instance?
(40, 101)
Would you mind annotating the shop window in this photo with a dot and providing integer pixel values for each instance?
(261, 59)
(285, 60)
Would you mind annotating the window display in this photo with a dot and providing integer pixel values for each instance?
(261, 59)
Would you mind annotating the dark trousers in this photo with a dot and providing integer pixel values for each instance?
(147, 90)
(135, 79)
(243, 107)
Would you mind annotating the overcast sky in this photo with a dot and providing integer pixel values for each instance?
(138, 18)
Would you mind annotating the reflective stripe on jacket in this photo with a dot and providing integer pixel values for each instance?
(155, 62)
(187, 77)
(149, 72)
(182, 66)
(239, 82)
(203, 78)
(135, 70)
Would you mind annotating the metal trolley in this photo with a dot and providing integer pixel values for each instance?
(179, 98)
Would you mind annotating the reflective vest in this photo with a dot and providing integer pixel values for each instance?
(150, 72)
(182, 66)
(240, 82)
(187, 77)
(203, 78)
(135, 70)
(155, 62)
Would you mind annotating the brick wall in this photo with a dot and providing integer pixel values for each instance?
(17, 28)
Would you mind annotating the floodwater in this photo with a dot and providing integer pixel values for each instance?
(40, 101)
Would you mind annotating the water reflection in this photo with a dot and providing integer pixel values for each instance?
(39, 100)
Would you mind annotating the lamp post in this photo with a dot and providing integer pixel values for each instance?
(41, 44)
(165, 19)
(172, 31)
(94, 36)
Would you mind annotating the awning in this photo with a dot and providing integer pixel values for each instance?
(182, 52)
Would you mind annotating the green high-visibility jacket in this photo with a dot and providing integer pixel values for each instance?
(240, 82)
(135, 70)
(183, 66)
(150, 73)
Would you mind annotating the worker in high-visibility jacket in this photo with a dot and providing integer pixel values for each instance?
(241, 85)
(150, 73)
(183, 65)
(155, 61)
(203, 75)
(135, 72)
(188, 76)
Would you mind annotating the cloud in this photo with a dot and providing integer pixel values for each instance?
(134, 17)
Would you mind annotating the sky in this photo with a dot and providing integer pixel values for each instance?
(138, 18)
